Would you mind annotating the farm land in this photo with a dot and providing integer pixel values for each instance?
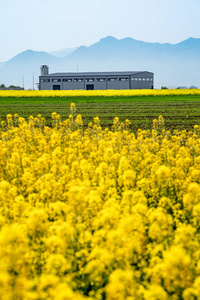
(179, 111)
(100, 214)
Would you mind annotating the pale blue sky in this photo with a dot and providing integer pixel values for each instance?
(47, 25)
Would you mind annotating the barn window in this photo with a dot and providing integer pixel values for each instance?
(89, 79)
(101, 79)
(67, 80)
(78, 79)
(123, 79)
(112, 79)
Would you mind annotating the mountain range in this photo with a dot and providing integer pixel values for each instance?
(172, 64)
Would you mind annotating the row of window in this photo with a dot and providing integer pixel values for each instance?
(45, 80)
(142, 79)
(98, 79)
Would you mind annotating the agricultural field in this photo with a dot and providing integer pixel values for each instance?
(89, 212)
(181, 110)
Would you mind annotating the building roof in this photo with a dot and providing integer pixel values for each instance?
(79, 74)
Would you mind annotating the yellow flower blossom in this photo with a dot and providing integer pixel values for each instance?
(98, 213)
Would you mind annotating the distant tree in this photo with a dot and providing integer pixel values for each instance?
(14, 87)
(164, 88)
(2, 85)
(193, 87)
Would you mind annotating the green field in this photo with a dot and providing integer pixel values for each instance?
(179, 112)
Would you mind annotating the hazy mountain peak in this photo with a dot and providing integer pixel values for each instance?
(27, 54)
(108, 38)
(190, 42)
(104, 42)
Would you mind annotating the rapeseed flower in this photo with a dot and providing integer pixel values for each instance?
(98, 213)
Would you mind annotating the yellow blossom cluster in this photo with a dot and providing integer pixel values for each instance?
(98, 93)
(98, 214)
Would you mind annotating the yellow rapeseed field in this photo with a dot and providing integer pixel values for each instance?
(98, 214)
(98, 93)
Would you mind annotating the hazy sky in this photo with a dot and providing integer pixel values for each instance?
(47, 25)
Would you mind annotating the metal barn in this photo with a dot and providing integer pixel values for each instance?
(95, 80)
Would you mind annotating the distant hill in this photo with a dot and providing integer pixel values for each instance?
(23, 67)
(63, 52)
(173, 65)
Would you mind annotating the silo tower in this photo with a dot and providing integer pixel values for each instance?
(44, 70)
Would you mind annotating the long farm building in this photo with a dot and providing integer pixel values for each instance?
(95, 80)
